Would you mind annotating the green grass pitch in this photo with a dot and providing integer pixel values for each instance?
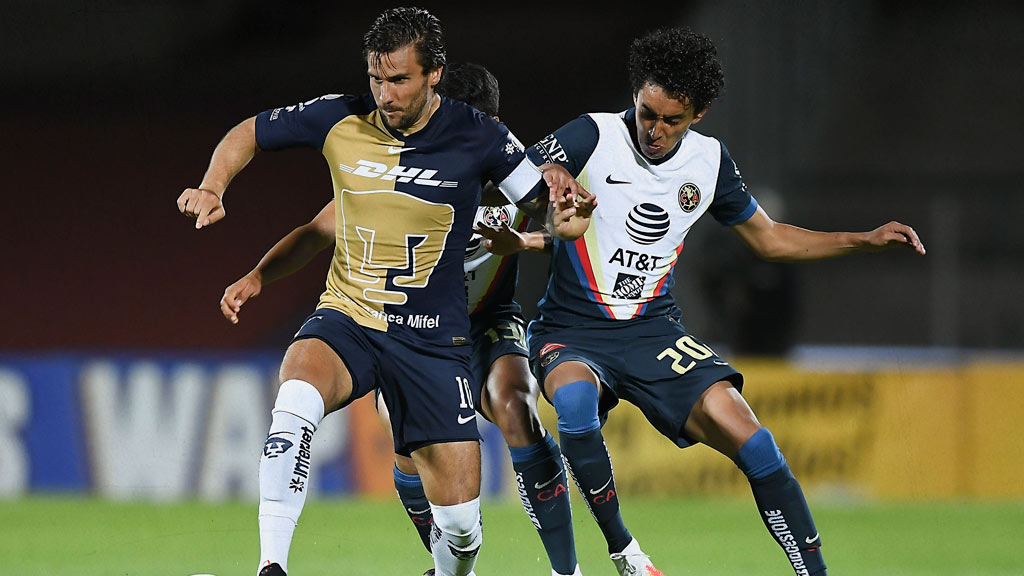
(86, 537)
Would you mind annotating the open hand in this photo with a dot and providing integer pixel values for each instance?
(894, 234)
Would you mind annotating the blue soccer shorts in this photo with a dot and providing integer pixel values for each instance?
(426, 386)
(652, 363)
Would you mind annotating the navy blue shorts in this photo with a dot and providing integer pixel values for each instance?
(495, 334)
(427, 387)
(651, 363)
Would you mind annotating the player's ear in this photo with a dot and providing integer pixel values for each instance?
(434, 76)
(699, 115)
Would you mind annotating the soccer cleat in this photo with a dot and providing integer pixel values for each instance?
(429, 572)
(575, 572)
(633, 562)
(272, 570)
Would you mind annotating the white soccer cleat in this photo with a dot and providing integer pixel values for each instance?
(575, 572)
(633, 562)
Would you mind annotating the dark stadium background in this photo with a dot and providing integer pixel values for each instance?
(841, 116)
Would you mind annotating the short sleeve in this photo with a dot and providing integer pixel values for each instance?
(301, 125)
(506, 164)
(570, 146)
(732, 204)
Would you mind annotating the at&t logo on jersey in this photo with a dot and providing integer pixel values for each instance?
(403, 174)
(689, 197)
(647, 223)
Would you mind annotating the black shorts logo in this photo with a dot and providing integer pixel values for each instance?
(549, 359)
(689, 197)
(628, 286)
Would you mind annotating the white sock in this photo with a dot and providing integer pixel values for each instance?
(285, 466)
(456, 538)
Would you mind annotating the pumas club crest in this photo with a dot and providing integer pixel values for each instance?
(689, 197)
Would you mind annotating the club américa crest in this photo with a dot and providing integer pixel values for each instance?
(495, 216)
(689, 197)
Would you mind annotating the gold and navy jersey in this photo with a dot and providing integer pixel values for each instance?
(622, 267)
(404, 206)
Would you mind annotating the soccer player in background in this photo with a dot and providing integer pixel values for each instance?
(407, 168)
(608, 328)
(499, 356)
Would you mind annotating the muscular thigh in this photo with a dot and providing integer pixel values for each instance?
(331, 352)
(428, 391)
(450, 471)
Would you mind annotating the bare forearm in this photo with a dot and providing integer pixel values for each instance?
(290, 255)
(794, 244)
(537, 241)
(230, 156)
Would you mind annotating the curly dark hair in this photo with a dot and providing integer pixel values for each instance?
(685, 64)
(473, 84)
(402, 26)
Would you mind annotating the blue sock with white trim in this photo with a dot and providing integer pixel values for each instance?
(410, 492)
(587, 459)
(781, 504)
(543, 488)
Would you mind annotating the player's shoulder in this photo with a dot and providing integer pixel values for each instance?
(463, 117)
(709, 145)
(328, 108)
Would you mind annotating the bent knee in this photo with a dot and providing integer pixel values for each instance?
(312, 360)
(459, 520)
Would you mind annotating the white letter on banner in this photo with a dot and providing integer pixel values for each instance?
(143, 437)
(238, 423)
(14, 411)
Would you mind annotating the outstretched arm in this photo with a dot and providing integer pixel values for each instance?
(780, 242)
(231, 155)
(567, 208)
(288, 256)
(505, 240)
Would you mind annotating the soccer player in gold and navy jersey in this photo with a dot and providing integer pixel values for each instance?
(503, 389)
(407, 168)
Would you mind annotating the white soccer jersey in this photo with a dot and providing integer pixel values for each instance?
(491, 279)
(622, 267)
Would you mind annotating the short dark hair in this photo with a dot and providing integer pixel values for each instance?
(402, 26)
(685, 64)
(473, 84)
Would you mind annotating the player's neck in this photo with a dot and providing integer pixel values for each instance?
(435, 103)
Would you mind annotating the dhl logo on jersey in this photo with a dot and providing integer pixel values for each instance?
(423, 177)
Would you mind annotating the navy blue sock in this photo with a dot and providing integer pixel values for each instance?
(410, 492)
(543, 489)
(587, 459)
(781, 503)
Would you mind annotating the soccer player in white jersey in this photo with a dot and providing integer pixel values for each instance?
(499, 358)
(407, 168)
(608, 328)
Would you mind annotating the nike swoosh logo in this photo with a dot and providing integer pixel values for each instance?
(424, 511)
(720, 363)
(393, 150)
(812, 539)
(608, 179)
(540, 486)
(466, 419)
(601, 489)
